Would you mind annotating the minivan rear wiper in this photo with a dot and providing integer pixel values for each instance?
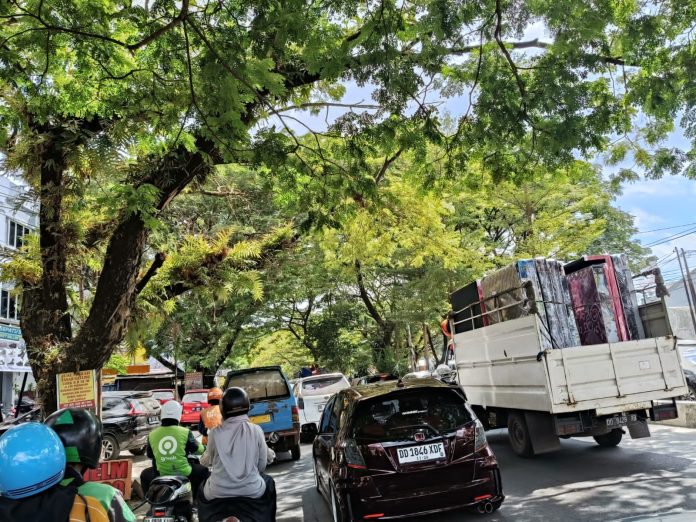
(412, 426)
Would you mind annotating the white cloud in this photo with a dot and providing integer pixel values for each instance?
(644, 220)
(667, 186)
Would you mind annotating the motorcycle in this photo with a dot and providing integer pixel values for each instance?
(170, 499)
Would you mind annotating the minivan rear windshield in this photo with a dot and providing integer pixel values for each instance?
(261, 384)
(317, 383)
(195, 397)
(398, 415)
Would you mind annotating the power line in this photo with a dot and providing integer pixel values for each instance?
(671, 238)
(664, 228)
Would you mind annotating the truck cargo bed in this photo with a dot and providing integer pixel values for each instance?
(505, 366)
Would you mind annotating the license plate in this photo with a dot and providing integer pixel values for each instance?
(158, 519)
(421, 453)
(153, 420)
(621, 420)
(260, 419)
(197, 408)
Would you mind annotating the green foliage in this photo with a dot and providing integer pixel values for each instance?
(118, 362)
(282, 348)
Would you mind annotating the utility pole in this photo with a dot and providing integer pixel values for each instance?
(688, 289)
(691, 286)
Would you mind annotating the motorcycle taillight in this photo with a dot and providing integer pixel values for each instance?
(159, 513)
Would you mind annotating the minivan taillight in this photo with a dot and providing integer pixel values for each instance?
(300, 403)
(480, 441)
(351, 452)
(295, 414)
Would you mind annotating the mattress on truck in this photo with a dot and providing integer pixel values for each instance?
(503, 365)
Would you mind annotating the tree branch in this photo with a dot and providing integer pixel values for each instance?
(371, 309)
(157, 263)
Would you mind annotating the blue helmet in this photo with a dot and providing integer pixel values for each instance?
(32, 459)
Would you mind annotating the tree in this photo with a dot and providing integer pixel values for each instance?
(111, 110)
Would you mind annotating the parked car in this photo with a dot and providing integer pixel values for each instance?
(193, 402)
(33, 415)
(403, 448)
(312, 394)
(128, 418)
(273, 407)
(163, 395)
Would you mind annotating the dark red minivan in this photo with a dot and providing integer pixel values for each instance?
(403, 448)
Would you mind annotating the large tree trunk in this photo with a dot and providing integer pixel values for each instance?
(46, 323)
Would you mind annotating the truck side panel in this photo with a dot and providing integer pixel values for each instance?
(589, 377)
(498, 366)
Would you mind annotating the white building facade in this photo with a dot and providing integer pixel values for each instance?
(18, 218)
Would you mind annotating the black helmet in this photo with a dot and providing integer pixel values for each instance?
(81, 433)
(235, 401)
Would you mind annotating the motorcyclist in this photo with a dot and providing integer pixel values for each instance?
(32, 464)
(168, 446)
(211, 417)
(80, 431)
(238, 455)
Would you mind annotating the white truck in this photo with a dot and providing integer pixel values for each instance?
(541, 395)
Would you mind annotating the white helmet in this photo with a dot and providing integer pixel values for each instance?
(171, 410)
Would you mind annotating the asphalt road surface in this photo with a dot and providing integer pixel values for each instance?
(582, 482)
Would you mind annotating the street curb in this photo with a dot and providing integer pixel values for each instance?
(686, 415)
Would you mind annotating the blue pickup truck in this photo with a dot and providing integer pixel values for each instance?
(273, 406)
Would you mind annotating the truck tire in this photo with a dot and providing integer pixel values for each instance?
(518, 434)
(609, 440)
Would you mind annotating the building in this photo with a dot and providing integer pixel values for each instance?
(18, 217)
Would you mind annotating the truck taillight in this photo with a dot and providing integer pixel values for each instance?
(295, 414)
(480, 441)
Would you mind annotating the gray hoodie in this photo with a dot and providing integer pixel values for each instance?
(237, 453)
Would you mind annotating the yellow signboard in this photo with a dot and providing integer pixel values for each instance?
(77, 390)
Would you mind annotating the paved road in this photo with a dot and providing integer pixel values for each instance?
(581, 483)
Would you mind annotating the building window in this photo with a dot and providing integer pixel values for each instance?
(16, 234)
(8, 306)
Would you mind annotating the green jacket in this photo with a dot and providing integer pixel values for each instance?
(168, 447)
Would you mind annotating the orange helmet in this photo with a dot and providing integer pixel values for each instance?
(214, 394)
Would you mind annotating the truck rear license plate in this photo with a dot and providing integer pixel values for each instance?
(260, 419)
(421, 453)
(621, 420)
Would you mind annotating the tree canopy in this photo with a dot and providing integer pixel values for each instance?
(112, 110)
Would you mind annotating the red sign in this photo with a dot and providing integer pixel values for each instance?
(116, 473)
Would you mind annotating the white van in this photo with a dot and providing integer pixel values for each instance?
(312, 393)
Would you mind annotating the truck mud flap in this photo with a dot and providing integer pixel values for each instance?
(542, 432)
(639, 429)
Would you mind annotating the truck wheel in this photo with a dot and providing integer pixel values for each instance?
(518, 434)
(609, 440)
(295, 452)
